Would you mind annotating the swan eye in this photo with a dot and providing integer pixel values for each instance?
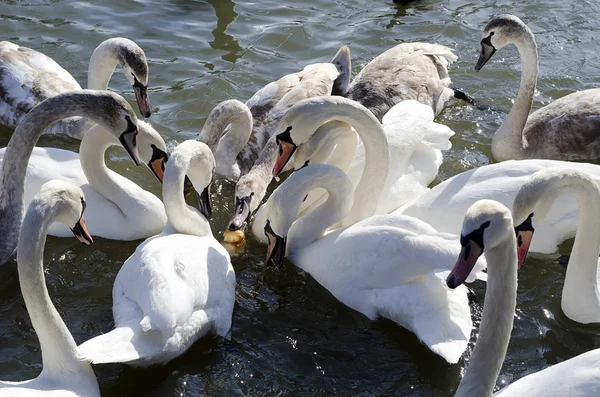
(251, 194)
(491, 34)
(485, 224)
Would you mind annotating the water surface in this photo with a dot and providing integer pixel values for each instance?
(290, 336)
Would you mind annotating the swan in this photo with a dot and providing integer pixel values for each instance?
(108, 109)
(177, 286)
(416, 71)
(581, 295)
(237, 132)
(27, 77)
(62, 373)
(384, 266)
(488, 227)
(119, 208)
(566, 129)
(444, 206)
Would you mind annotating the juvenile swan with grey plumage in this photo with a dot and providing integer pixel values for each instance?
(566, 129)
(63, 374)
(108, 109)
(27, 77)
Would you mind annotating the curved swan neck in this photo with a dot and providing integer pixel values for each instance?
(102, 66)
(91, 155)
(225, 143)
(59, 351)
(14, 166)
(507, 143)
(317, 111)
(312, 226)
(496, 322)
(180, 217)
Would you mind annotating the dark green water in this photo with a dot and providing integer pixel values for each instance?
(290, 337)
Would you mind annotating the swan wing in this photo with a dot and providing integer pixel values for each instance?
(27, 77)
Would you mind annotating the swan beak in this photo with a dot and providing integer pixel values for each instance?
(204, 202)
(141, 96)
(487, 50)
(467, 258)
(157, 163)
(276, 249)
(80, 231)
(242, 213)
(523, 242)
(286, 150)
(128, 140)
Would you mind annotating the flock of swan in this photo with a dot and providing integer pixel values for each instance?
(356, 214)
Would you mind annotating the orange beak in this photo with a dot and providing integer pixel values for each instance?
(286, 150)
(466, 260)
(158, 168)
(523, 242)
(80, 231)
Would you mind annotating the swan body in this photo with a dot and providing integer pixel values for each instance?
(177, 286)
(444, 205)
(416, 71)
(237, 132)
(566, 129)
(62, 373)
(27, 77)
(488, 227)
(383, 266)
(581, 293)
(105, 108)
(119, 208)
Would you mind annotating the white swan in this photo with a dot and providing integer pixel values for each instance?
(416, 71)
(488, 228)
(566, 129)
(444, 206)
(105, 108)
(63, 374)
(27, 77)
(581, 294)
(384, 266)
(119, 208)
(237, 132)
(178, 285)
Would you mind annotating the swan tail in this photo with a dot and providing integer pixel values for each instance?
(438, 316)
(438, 136)
(114, 347)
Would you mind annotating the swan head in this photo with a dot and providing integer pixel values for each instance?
(69, 203)
(300, 123)
(499, 32)
(537, 195)
(132, 61)
(485, 226)
(152, 149)
(248, 194)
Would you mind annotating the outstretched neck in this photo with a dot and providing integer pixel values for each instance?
(227, 142)
(181, 217)
(496, 323)
(581, 296)
(313, 225)
(59, 351)
(508, 143)
(102, 66)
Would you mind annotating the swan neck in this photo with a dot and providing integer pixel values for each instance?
(508, 143)
(496, 322)
(102, 66)
(313, 225)
(59, 351)
(581, 296)
(181, 217)
(226, 143)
